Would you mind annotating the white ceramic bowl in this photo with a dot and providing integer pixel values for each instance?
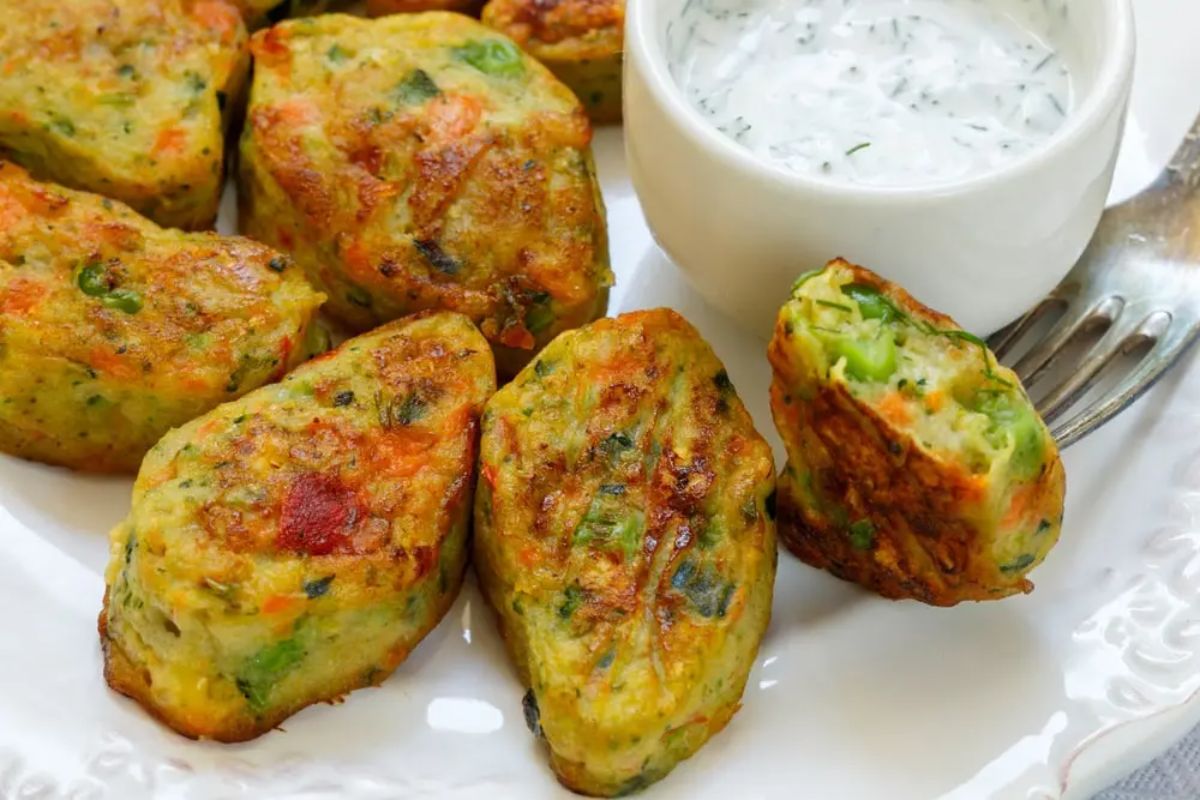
(983, 249)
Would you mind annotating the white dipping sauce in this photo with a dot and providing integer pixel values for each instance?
(877, 92)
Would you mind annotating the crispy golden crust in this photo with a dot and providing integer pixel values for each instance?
(426, 163)
(865, 498)
(296, 544)
(124, 677)
(127, 98)
(113, 330)
(581, 41)
(927, 545)
(624, 535)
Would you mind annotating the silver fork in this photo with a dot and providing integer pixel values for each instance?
(1137, 286)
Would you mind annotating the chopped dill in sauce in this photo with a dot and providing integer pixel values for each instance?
(876, 92)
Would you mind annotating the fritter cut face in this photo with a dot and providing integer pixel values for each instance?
(917, 466)
(422, 161)
(297, 544)
(625, 535)
(113, 330)
(581, 41)
(126, 98)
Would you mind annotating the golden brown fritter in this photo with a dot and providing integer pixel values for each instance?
(917, 466)
(581, 41)
(126, 98)
(298, 543)
(113, 330)
(625, 536)
(422, 161)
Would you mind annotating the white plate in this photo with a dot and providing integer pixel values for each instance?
(1047, 696)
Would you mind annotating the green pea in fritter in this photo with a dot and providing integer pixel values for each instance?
(297, 544)
(917, 465)
(625, 535)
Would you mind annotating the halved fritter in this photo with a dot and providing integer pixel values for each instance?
(422, 161)
(113, 330)
(297, 544)
(917, 466)
(127, 98)
(581, 41)
(625, 535)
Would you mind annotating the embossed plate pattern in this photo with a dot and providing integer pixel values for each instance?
(1047, 696)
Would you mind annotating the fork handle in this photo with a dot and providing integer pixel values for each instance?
(1185, 164)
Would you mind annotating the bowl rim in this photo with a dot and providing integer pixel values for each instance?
(1109, 94)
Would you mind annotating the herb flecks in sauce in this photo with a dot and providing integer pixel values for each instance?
(877, 92)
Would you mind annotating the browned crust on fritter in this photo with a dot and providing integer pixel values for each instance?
(547, 22)
(124, 677)
(925, 546)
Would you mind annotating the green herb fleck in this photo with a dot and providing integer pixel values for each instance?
(63, 126)
(194, 82)
(862, 534)
(573, 598)
(708, 592)
(260, 674)
(409, 410)
(609, 524)
(857, 147)
(417, 87)
(318, 588)
(336, 53)
(438, 258)
(616, 443)
(496, 57)
(539, 316)
(1020, 563)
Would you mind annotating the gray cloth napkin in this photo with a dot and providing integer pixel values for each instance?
(1174, 776)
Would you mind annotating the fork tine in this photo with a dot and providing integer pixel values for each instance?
(1115, 342)
(1002, 342)
(1103, 312)
(1160, 359)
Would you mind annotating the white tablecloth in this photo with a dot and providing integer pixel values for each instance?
(1174, 776)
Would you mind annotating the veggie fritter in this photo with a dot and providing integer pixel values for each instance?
(625, 536)
(113, 330)
(297, 544)
(127, 98)
(917, 465)
(581, 41)
(422, 161)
